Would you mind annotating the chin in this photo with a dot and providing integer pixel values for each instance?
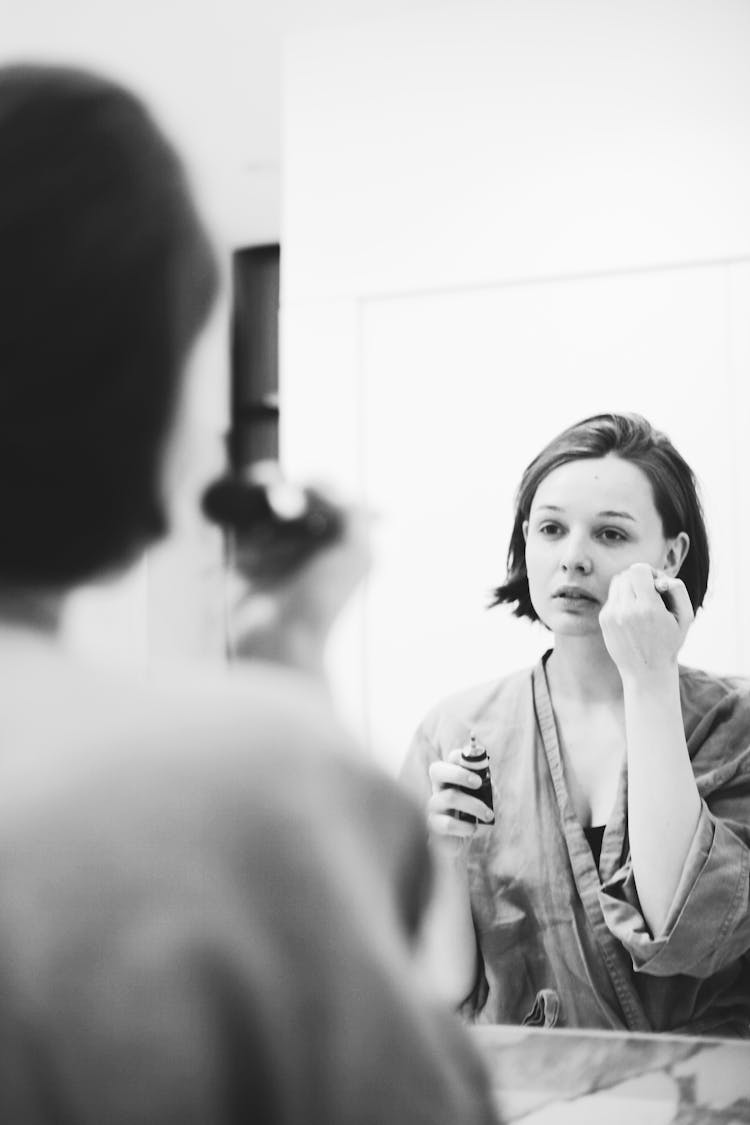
(567, 625)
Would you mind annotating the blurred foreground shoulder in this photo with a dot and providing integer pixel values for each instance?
(213, 920)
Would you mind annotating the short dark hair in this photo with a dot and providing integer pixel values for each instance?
(106, 277)
(673, 484)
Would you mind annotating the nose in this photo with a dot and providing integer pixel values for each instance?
(575, 558)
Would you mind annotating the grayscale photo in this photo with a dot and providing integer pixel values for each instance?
(375, 562)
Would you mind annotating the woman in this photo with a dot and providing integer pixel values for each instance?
(612, 889)
(188, 930)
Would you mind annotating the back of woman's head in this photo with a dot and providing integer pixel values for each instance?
(106, 276)
(274, 527)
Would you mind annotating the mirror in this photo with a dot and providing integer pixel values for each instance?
(540, 213)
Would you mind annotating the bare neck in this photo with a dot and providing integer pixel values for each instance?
(581, 671)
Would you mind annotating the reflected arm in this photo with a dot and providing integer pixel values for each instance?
(448, 951)
(663, 801)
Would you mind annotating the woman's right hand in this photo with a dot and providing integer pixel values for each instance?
(446, 799)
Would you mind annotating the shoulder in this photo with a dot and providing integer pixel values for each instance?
(706, 695)
(716, 714)
(249, 781)
(221, 852)
(471, 708)
(238, 739)
(271, 736)
(697, 681)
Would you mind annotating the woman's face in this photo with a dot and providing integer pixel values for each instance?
(589, 520)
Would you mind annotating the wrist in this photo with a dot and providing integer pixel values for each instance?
(450, 851)
(652, 683)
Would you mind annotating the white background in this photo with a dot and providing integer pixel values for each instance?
(496, 221)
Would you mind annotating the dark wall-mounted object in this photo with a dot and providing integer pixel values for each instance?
(254, 433)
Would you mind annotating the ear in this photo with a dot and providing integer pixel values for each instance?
(676, 553)
(525, 530)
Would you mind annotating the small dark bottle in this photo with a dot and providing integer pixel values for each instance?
(474, 757)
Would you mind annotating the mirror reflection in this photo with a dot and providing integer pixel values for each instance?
(602, 886)
(295, 557)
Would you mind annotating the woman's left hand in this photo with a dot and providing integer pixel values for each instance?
(645, 620)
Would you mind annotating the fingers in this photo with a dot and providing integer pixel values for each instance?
(450, 773)
(620, 594)
(645, 620)
(643, 583)
(675, 597)
(641, 577)
(635, 583)
(441, 824)
(450, 799)
(449, 782)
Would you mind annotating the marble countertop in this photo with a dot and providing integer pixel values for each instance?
(566, 1077)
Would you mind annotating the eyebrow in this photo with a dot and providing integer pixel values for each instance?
(609, 514)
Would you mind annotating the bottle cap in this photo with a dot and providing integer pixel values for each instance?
(475, 748)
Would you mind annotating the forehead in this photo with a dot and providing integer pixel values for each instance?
(597, 484)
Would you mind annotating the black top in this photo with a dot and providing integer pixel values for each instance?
(595, 835)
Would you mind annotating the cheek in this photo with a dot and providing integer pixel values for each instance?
(611, 563)
(530, 560)
(539, 553)
(660, 553)
(651, 552)
(614, 567)
(537, 567)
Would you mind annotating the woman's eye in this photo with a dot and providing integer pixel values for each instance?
(612, 535)
(549, 529)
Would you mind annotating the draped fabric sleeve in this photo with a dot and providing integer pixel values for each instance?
(708, 924)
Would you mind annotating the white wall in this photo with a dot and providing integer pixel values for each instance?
(211, 73)
(495, 221)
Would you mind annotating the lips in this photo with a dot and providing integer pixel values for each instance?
(574, 593)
